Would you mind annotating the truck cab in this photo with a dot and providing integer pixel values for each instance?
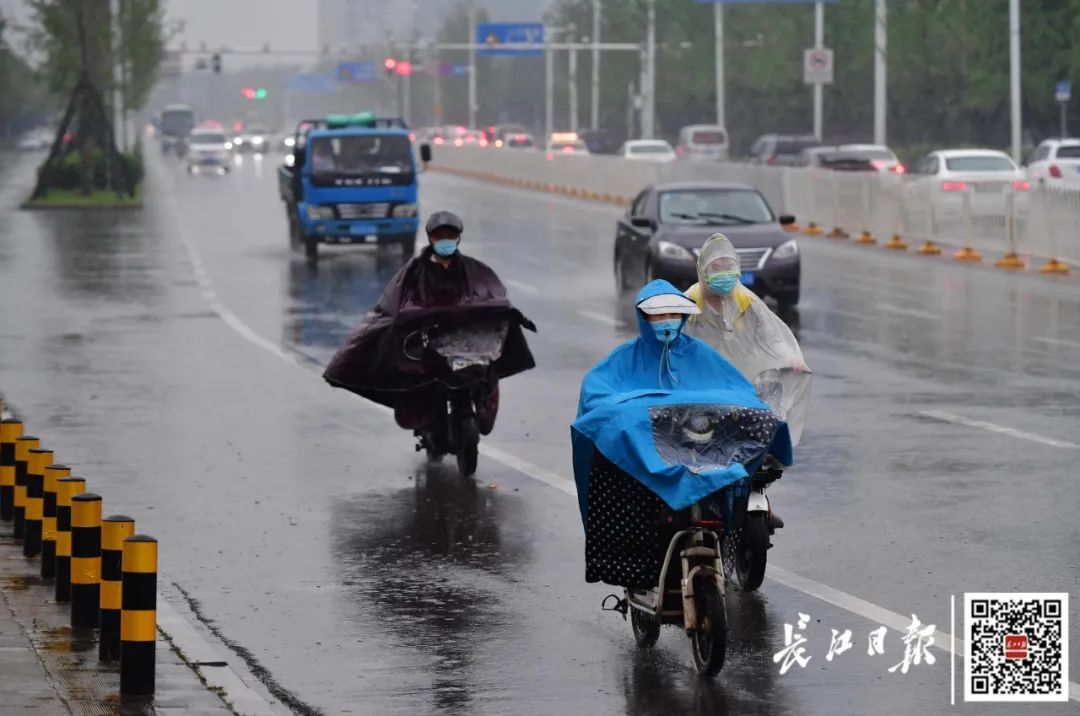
(352, 180)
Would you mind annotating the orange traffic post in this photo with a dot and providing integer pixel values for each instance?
(114, 530)
(85, 560)
(23, 446)
(865, 237)
(138, 618)
(1011, 261)
(1055, 266)
(812, 229)
(929, 248)
(53, 473)
(35, 500)
(10, 431)
(966, 253)
(68, 487)
(896, 243)
(837, 233)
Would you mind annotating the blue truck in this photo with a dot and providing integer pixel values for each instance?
(351, 179)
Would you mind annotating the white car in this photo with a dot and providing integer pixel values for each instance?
(208, 151)
(883, 158)
(35, 140)
(703, 142)
(1056, 161)
(943, 179)
(647, 150)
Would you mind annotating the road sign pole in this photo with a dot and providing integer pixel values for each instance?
(648, 112)
(880, 87)
(573, 92)
(472, 68)
(819, 88)
(595, 113)
(1064, 129)
(1014, 76)
(549, 93)
(718, 26)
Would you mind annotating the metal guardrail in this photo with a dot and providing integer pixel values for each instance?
(1036, 221)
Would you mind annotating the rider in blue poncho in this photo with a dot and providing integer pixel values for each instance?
(663, 422)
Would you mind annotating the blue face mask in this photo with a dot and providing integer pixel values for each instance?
(667, 330)
(445, 247)
(722, 283)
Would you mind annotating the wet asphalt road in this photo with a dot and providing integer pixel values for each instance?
(172, 356)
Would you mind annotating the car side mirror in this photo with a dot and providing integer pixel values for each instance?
(787, 219)
(425, 153)
(642, 222)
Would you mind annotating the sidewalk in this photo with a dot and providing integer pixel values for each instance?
(46, 668)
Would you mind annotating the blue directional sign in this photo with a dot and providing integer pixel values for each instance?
(499, 38)
(448, 70)
(357, 72)
(315, 84)
(1063, 91)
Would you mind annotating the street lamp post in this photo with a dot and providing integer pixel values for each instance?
(880, 46)
(595, 114)
(819, 88)
(648, 112)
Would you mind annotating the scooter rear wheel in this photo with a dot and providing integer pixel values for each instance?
(751, 551)
(710, 637)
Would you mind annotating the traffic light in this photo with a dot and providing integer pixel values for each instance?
(248, 92)
(390, 64)
(404, 67)
(215, 63)
(260, 93)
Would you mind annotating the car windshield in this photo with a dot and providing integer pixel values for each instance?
(360, 155)
(862, 153)
(714, 206)
(1072, 152)
(980, 164)
(649, 149)
(794, 146)
(177, 121)
(208, 138)
(708, 136)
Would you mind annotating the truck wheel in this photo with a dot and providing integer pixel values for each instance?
(408, 245)
(311, 248)
(294, 230)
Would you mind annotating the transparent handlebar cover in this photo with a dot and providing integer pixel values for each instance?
(711, 437)
(478, 344)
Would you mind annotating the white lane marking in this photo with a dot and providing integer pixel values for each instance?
(601, 318)
(823, 592)
(208, 663)
(1057, 341)
(948, 417)
(523, 287)
(900, 310)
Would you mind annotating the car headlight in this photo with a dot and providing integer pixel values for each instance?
(786, 250)
(317, 213)
(674, 252)
(404, 210)
(290, 141)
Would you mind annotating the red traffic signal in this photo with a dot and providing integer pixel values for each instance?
(390, 63)
(248, 92)
(404, 67)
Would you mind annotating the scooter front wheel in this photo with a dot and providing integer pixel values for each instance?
(468, 447)
(709, 638)
(646, 628)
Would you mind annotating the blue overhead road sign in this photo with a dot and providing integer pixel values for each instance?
(499, 38)
(357, 72)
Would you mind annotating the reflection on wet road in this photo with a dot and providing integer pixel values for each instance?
(366, 581)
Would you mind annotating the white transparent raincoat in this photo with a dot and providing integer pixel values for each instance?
(742, 328)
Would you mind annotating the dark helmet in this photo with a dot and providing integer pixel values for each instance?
(444, 219)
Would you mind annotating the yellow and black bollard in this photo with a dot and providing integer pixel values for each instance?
(53, 473)
(85, 559)
(10, 431)
(138, 619)
(68, 488)
(114, 530)
(23, 446)
(35, 500)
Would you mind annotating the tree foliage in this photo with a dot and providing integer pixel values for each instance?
(25, 103)
(948, 68)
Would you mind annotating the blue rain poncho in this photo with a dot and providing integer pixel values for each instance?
(631, 400)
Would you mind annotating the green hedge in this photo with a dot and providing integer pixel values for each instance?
(65, 174)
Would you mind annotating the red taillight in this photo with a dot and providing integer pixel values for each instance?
(520, 137)
(772, 161)
(1021, 185)
(954, 186)
(878, 164)
(899, 169)
(567, 150)
(412, 136)
(1055, 171)
(706, 523)
(438, 140)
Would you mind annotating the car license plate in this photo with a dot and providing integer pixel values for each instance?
(747, 278)
(362, 230)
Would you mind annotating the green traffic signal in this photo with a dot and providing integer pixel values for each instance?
(260, 93)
